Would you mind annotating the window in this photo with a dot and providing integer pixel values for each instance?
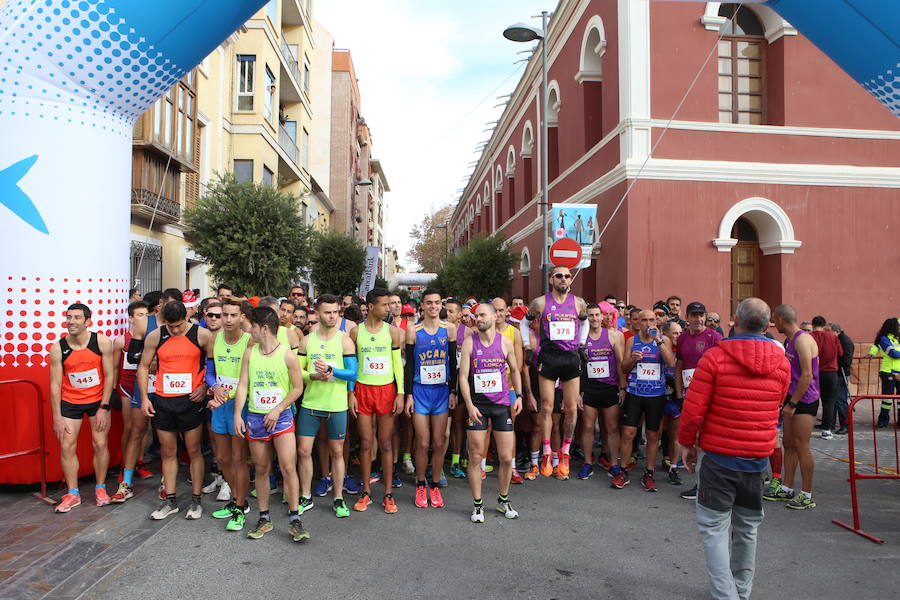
(243, 170)
(272, 11)
(269, 98)
(741, 67)
(305, 74)
(246, 81)
(168, 123)
(304, 150)
(268, 176)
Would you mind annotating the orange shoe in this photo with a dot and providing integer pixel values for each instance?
(546, 465)
(434, 494)
(515, 477)
(67, 503)
(363, 502)
(390, 506)
(532, 473)
(422, 496)
(101, 496)
(564, 466)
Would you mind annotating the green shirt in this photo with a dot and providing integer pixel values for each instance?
(331, 395)
(269, 379)
(227, 358)
(373, 350)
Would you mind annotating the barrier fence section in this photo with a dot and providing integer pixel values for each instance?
(881, 472)
(41, 449)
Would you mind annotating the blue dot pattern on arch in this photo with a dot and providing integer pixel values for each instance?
(101, 63)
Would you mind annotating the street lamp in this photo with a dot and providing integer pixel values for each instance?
(522, 32)
(354, 218)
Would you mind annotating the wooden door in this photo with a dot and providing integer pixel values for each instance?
(744, 272)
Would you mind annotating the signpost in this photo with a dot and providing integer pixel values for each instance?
(565, 252)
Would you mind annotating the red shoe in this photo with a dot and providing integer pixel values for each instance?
(122, 494)
(67, 503)
(563, 466)
(515, 477)
(422, 496)
(437, 500)
(546, 465)
(620, 480)
(101, 496)
(142, 471)
(604, 463)
(648, 482)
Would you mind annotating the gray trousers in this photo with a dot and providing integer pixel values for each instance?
(729, 535)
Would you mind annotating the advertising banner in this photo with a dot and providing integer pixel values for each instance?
(371, 270)
(577, 222)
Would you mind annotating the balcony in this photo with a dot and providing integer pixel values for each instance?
(289, 145)
(153, 206)
(292, 63)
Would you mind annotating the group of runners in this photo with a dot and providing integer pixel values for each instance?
(275, 379)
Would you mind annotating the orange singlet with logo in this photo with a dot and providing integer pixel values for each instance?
(182, 362)
(82, 381)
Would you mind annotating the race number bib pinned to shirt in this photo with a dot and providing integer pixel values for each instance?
(376, 365)
(598, 369)
(85, 379)
(687, 375)
(177, 383)
(229, 385)
(648, 371)
(151, 383)
(266, 399)
(562, 330)
(433, 374)
(488, 383)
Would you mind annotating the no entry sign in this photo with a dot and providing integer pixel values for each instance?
(565, 252)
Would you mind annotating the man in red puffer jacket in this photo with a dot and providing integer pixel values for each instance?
(731, 411)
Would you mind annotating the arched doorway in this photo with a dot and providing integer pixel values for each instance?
(745, 262)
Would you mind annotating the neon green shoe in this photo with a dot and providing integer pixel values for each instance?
(236, 522)
(263, 526)
(775, 492)
(801, 501)
(340, 508)
(298, 533)
(225, 511)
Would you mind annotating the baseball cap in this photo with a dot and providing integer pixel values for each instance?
(694, 308)
(189, 299)
(406, 309)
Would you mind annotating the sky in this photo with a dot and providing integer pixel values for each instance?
(426, 71)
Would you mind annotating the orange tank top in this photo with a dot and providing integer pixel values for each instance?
(182, 362)
(82, 381)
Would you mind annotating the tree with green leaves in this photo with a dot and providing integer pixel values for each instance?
(430, 240)
(483, 269)
(251, 235)
(337, 264)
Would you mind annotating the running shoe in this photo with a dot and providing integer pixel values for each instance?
(298, 533)
(532, 473)
(363, 502)
(407, 465)
(350, 486)
(464, 463)
(586, 471)
(503, 506)
(194, 511)
(340, 508)
(690, 494)
(389, 504)
(263, 526)
(775, 492)
(225, 511)
(558, 473)
(422, 496)
(457, 471)
(577, 453)
(224, 494)
(68, 502)
(434, 495)
(165, 509)
(546, 465)
(374, 477)
(217, 481)
(442, 480)
(396, 482)
(515, 477)
(827, 435)
(648, 482)
(236, 522)
(604, 462)
(477, 514)
(632, 461)
(620, 477)
(842, 430)
(488, 468)
(305, 504)
(100, 496)
(673, 477)
(122, 494)
(801, 501)
(323, 486)
(142, 472)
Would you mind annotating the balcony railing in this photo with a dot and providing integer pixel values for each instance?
(288, 144)
(291, 61)
(147, 203)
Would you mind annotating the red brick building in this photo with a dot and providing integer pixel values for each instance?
(779, 176)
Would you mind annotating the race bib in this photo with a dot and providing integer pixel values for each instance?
(488, 383)
(176, 383)
(648, 371)
(151, 383)
(85, 379)
(687, 375)
(433, 374)
(376, 365)
(229, 385)
(598, 369)
(562, 330)
(266, 399)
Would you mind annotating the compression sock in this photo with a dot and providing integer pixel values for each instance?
(545, 446)
(775, 462)
(566, 445)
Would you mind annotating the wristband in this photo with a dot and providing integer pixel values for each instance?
(106, 407)
(793, 404)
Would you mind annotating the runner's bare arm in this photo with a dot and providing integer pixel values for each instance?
(109, 370)
(56, 373)
(465, 361)
(293, 366)
(118, 346)
(619, 350)
(240, 394)
(143, 370)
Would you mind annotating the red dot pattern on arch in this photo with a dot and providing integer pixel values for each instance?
(35, 331)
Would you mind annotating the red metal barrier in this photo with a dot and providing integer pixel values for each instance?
(41, 450)
(854, 476)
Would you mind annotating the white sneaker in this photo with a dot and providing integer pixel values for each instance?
(507, 510)
(165, 509)
(407, 466)
(195, 511)
(477, 515)
(218, 481)
(826, 434)
(224, 494)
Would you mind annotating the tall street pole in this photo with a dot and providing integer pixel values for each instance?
(544, 157)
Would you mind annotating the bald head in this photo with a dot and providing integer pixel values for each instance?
(752, 315)
(786, 313)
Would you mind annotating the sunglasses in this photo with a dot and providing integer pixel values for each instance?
(213, 315)
(299, 295)
(712, 320)
(563, 275)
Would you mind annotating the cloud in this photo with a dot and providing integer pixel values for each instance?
(422, 66)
